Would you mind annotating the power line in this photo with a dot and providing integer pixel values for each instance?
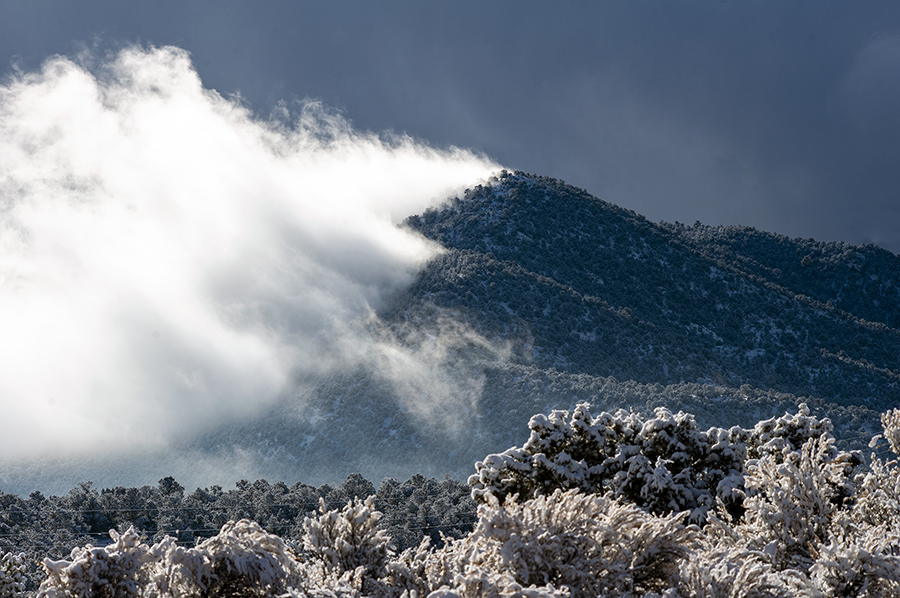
(308, 506)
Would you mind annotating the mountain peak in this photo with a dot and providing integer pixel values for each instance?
(602, 290)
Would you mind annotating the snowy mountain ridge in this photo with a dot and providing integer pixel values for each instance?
(662, 303)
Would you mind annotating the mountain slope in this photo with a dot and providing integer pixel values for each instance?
(860, 280)
(581, 285)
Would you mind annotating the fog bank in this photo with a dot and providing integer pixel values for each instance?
(169, 263)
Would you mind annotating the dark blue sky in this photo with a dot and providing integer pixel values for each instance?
(780, 115)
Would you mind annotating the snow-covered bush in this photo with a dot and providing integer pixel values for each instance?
(113, 571)
(347, 539)
(785, 514)
(347, 547)
(890, 421)
(862, 555)
(664, 464)
(592, 545)
(734, 572)
(829, 530)
(241, 560)
(12, 575)
(487, 584)
(793, 499)
(864, 563)
(878, 499)
(789, 431)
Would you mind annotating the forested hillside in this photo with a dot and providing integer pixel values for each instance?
(587, 287)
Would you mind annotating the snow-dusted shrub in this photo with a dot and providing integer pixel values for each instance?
(243, 559)
(407, 571)
(862, 555)
(347, 556)
(346, 539)
(865, 563)
(665, 464)
(800, 522)
(113, 571)
(487, 584)
(593, 545)
(786, 433)
(12, 575)
(877, 502)
(878, 498)
(793, 498)
(347, 548)
(890, 421)
(244, 554)
(735, 572)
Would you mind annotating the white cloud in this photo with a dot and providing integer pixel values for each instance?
(168, 262)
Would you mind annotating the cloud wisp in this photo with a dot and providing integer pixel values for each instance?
(169, 262)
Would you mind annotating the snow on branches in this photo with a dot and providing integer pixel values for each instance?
(242, 560)
(592, 545)
(12, 575)
(664, 464)
(114, 571)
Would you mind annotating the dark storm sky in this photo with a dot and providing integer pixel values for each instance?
(780, 115)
